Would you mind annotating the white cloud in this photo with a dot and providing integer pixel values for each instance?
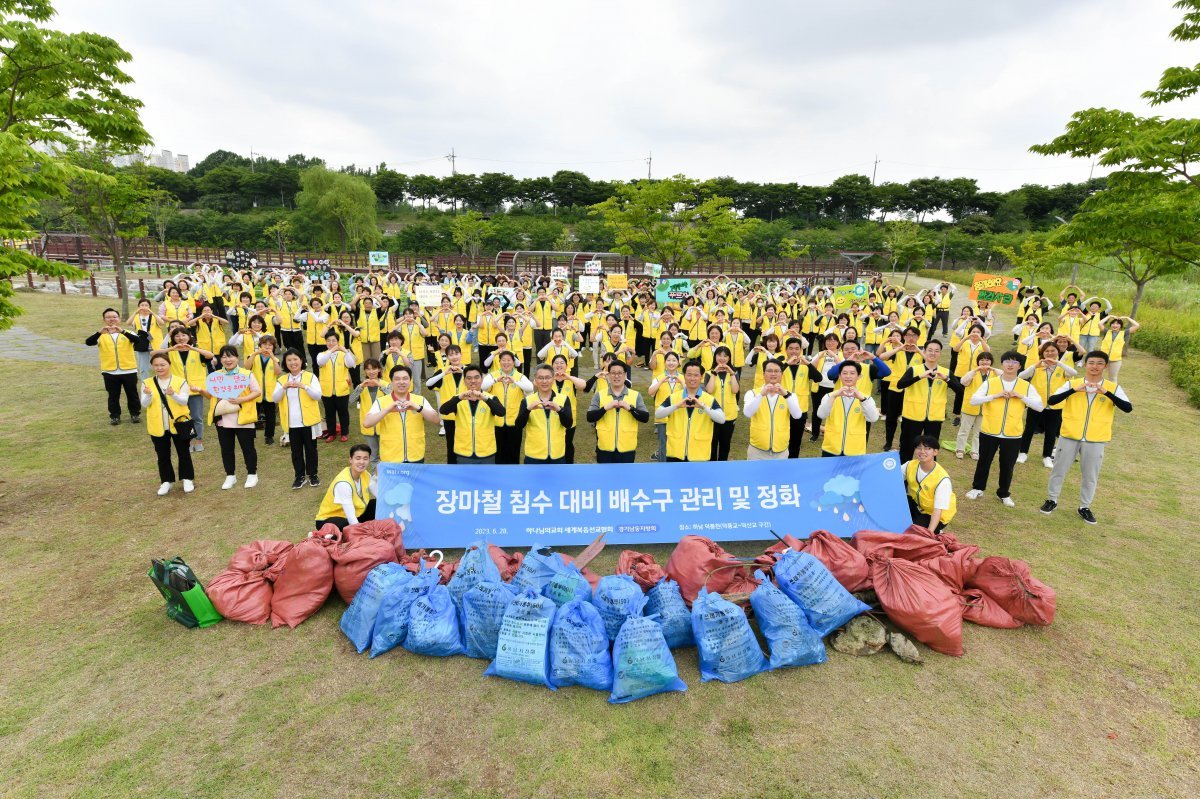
(776, 91)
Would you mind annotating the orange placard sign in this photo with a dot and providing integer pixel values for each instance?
(999, 289)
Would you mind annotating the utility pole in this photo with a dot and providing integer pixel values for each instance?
(251, 159)
(874, 168)
(649, 163)
(451, 158)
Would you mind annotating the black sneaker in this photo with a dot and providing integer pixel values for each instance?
(314, 481)
(114, 420)
(957, 421)
(1087, 515)
(298, 483)
(270, 442)
(1048, 507)
(137, 417)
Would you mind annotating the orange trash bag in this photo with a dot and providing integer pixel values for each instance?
(911, 545)
(241, 595)
(955, 569)
(918, 602)
(771, 554)
(644, 568)
(304, 579)
(693, 560)
(844, 562)
(981, 609)
(383, 529)
(506, 563)
(353, 560)
(1015, 589)
(258, 555)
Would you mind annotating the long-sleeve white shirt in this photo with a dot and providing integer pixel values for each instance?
(324, 358)
(292, 395)
(343, 494)
(1031, 398)
(181, 398)
(754, 399)
(870, 412)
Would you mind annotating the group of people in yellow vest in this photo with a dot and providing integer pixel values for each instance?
(503, 360)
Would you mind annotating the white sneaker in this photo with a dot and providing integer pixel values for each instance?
(188, 486)
(229, 483)
(1022, 458)
(251, 480)
(974, 456)
(442, 430)
(1048, 463)
(284, 440)
(163, 489)
(199, 446)
(1008, 502)
(974, 493)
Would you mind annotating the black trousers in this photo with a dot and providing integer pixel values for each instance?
(941, 315)
(162, 449)
(570, 454)
(922, 519)
(722, 437)
(607, 456)
(269, 413)
(1008, 448)
(796, 434)
(540, 339)
(313, 351)
(304, 452)
(484, 351)
(527, 364)
(909, 430)
(893, 407)
(114, 385)
(294, 339)
(341, 522)
(1047, 422)
(451, 455)
(508, 444)
(545, 460)
(816, 403)
(244, 436)
(337, 409)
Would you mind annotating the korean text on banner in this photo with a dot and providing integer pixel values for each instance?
(223, 385)
(428, 296)
(589, 284)
(449, 506)
(377, 258)
(999, 289)
(673, 290)
(619, 280)
(559, 273)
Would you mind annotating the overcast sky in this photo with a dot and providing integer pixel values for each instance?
(787, 90)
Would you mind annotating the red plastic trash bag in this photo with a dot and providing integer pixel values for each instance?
(845, 562)
(592, 578)
(771, 554)
(918, 602)
(1015, 589)
(506, 563)
(955, 569)
(304, 579)
(241, 595)
(981, 609)
(383, 529)
(645, 570)
(258, 555)
(912, 545)
(412, 562)
(352, 560)
(694, 558)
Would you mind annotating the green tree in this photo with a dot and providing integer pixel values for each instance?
(849, 198)
(163, 210)
(341, 206)
(907, 244)
(662, 222)
(54, 87)
(594, 235)
(279, 231)
(1035, 255)
(112, 206)
(469, 231)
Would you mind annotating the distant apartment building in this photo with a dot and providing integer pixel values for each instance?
(164, 160)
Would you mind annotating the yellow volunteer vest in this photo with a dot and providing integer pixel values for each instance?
(360, 492)
(210, 336)
(969, 391)
(511, 396)
(335, 376)
(314, 331)
(543, 314)
(450, 386)
(1113, 346)
(845, 430)
(617, 430)
(474, 431)
(310, 409)
(925, 402)
(368, 325)
(287, 312)
(797, 380)
(401, 435)
(567, 389)
(1004, 417)
(922, 491)
(689, 434)
(487, 330)
(1046, 385)
(118, 355)
(247, 411)
(366, 400)
(666, 388)
(725, 396)
(968, 357)
(770, 428)
(414, 342)
(193, 368)
(1089, 417)
(153, 411)
(177, 312)
(263, 371)
(545, 436)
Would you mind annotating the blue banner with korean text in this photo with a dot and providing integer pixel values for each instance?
(646, 503)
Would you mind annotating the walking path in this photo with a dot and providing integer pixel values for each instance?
(22, 344)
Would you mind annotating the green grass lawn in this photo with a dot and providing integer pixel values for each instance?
(102, 695)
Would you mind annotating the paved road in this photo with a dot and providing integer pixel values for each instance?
(22, 344)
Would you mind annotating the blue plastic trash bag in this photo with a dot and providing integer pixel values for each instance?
(568, 584)
(433, 625)
(482, 612)
(618, 597)
(728, 649)
(792, 641)
(642, 662)
(665, 601)
(523, 649)
(537, 569)
(825, 603)
(391, 623)
(359, 619)
(476, 566)
(579, 648)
